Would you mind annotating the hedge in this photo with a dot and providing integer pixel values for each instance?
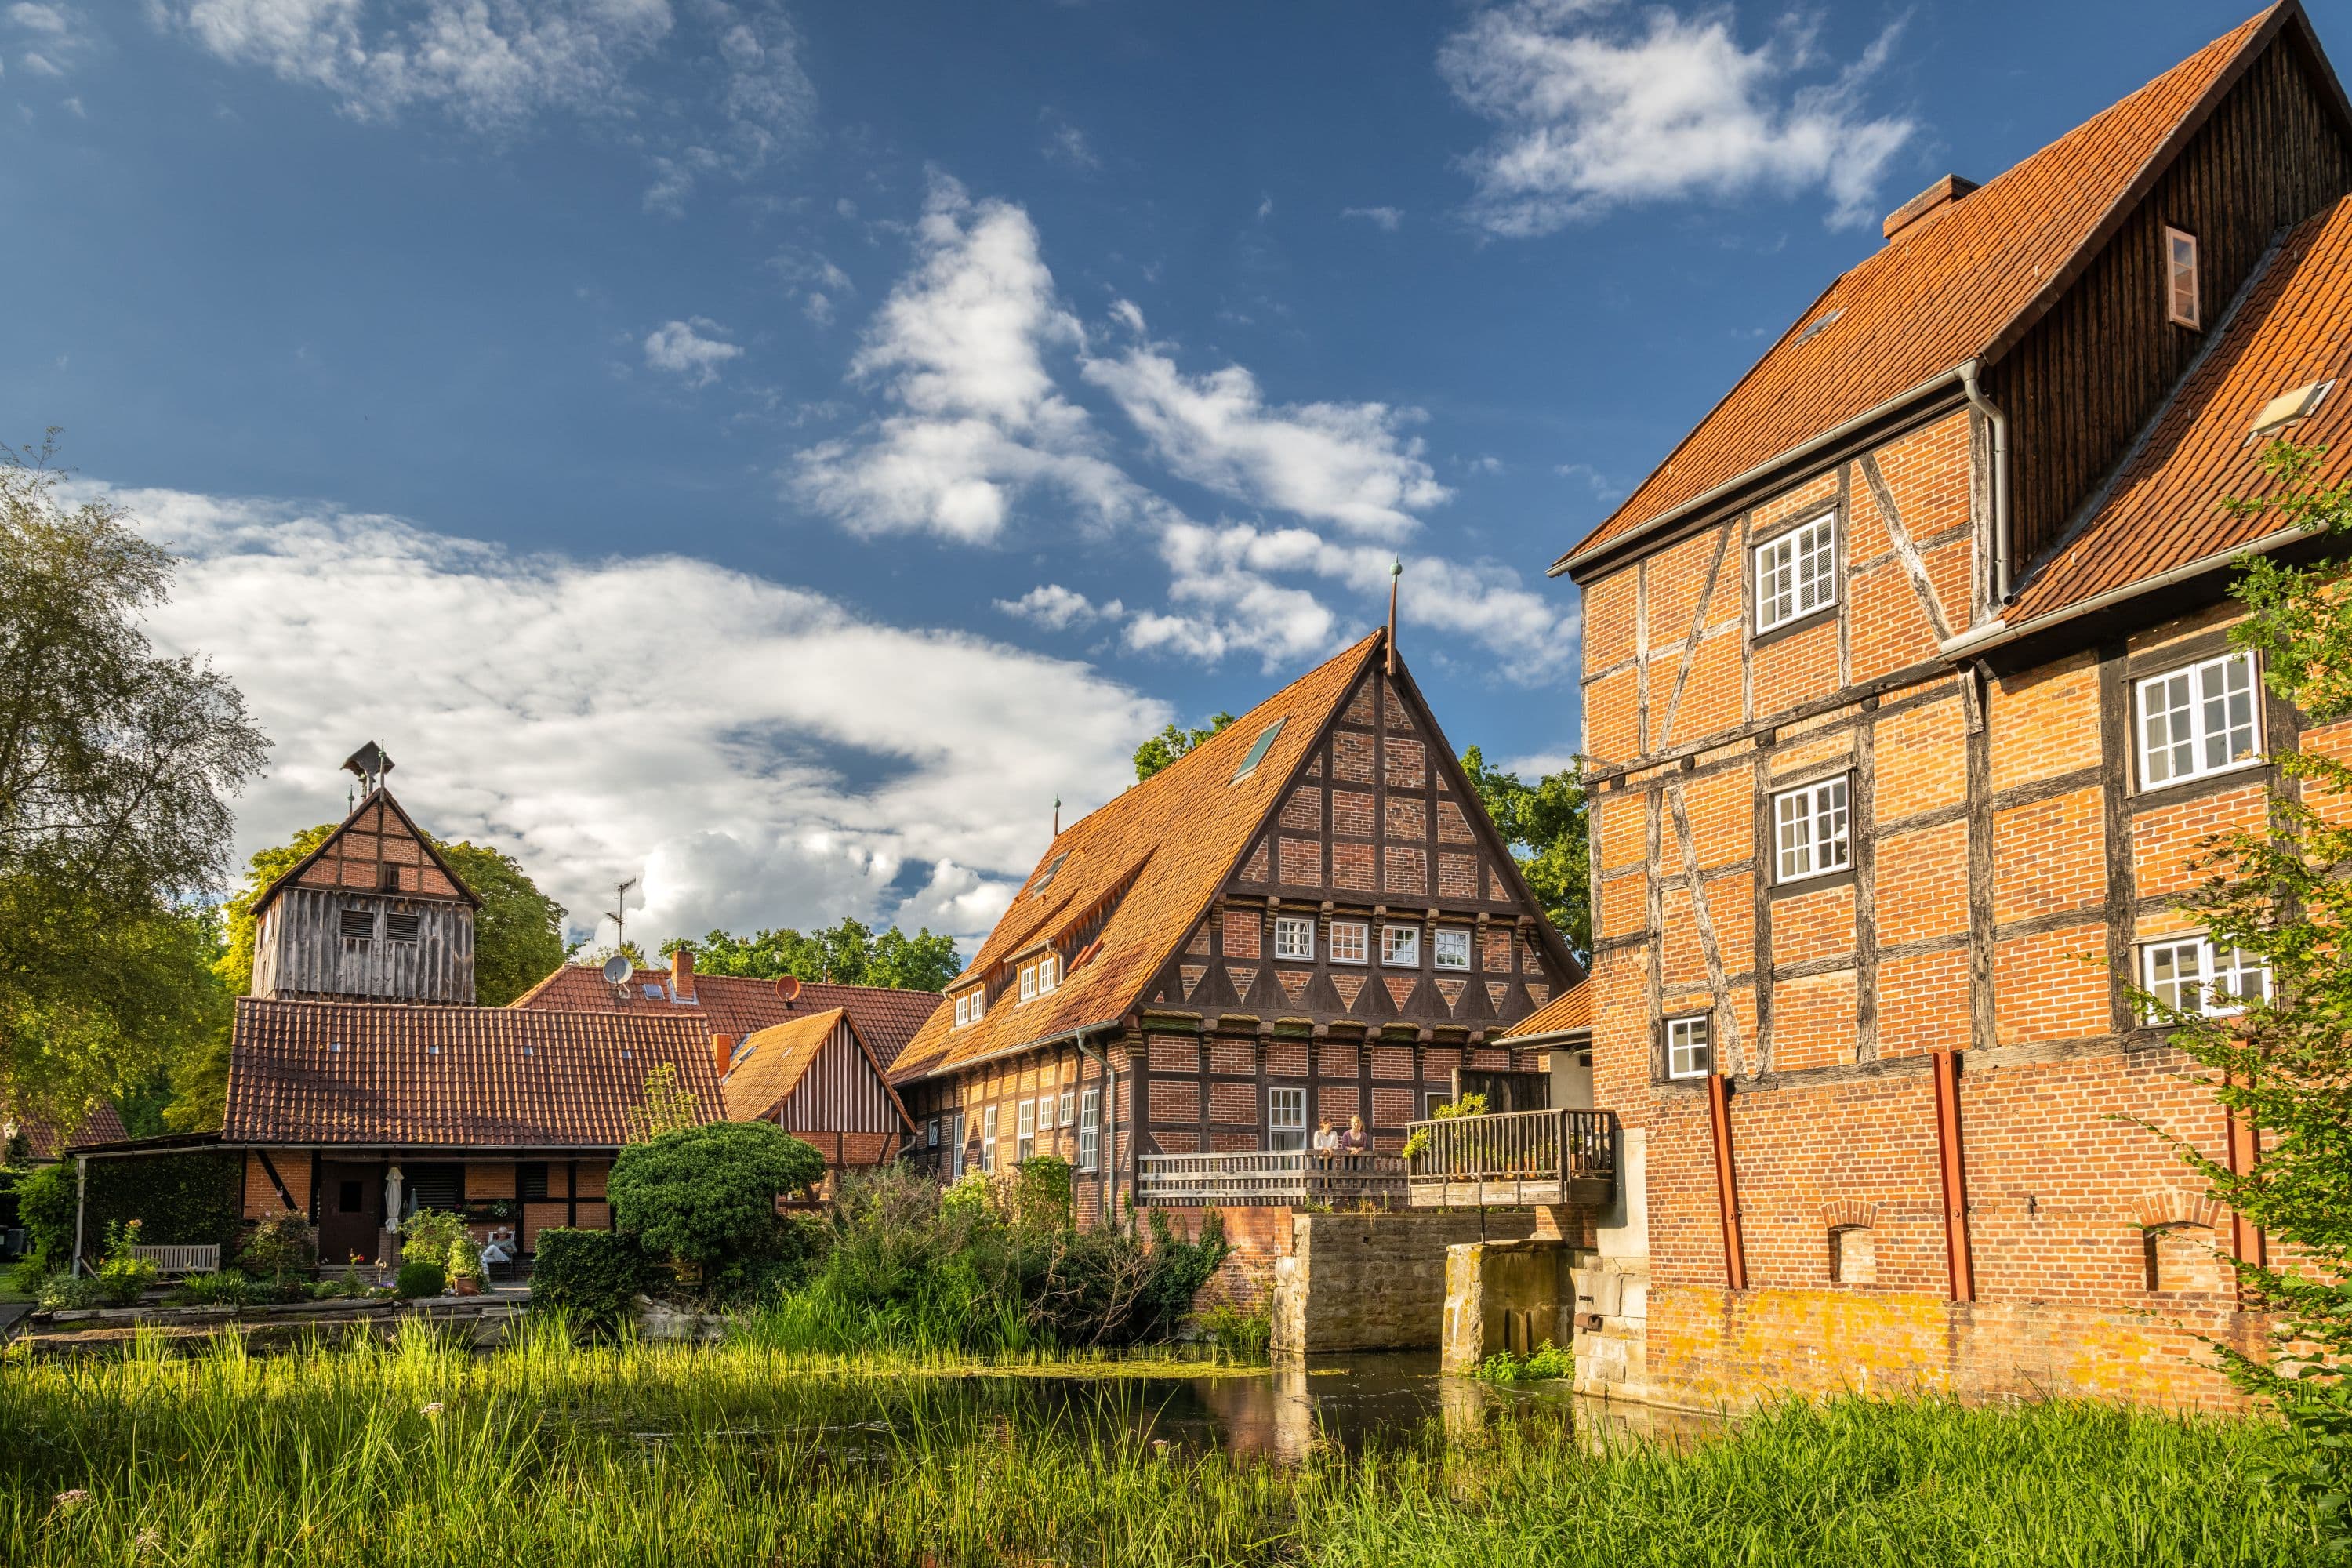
(590, 1274)
(180, 1200)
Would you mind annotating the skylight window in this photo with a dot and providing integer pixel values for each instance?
(1258, 748)
(1813, 328)
(2289, 408)
(1045, 878)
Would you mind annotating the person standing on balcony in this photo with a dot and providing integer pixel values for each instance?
(1355, 1141)
(1327, 1142)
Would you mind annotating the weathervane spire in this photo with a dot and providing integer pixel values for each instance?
(1396, 571)
(1057, 817)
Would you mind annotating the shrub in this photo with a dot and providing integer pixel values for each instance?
(26, 1274)
(69, 1290)
(121, 1281)
(188, 1199)
(707, 1195)
(1548, 1362)
(426, 1236)
(45, 1207)
(420, 1279)
(283, 1244)
(226, 1288)
(590, 1274)
(1241, 1332)
(464, 1257)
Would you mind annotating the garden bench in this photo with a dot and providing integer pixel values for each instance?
(180, 1259)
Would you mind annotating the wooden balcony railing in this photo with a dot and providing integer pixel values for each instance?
(1519, 1157)
(1271, 1177)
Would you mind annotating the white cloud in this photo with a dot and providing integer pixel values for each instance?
(1060, 609)
(959, 351)
(681, 349)
(600, 720)
(1595, 111)
(1066, 144)
(1388, 218)
(1347, 463)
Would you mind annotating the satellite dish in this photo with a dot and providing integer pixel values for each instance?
(788, 987)
(617, 969)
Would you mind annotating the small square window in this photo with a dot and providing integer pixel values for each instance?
(1401, 946)
(2192, 975)
(1451, 950)
(1294, 937)
(2203, 719)
(1286, 1118)
(2181, 302)
(1811, 832)
(1690, 1048)
(1348, 942)
(1796, 573)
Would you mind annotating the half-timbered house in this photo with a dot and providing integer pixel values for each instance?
(1908, 698)
(1306, 916)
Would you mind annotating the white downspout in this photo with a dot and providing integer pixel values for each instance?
(1998, 423)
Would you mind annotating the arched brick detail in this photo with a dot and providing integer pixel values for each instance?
(2172, 1206)
(1843, 1212)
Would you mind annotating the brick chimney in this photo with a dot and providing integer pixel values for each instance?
(681, 976)
(722, 1053)
(1927, 203)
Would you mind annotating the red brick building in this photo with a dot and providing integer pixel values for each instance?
(1907, 698)
(1309, 915)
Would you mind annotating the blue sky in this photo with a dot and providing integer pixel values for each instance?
(775, 450)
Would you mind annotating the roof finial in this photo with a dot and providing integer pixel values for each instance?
(1395, 571)
(1057, 817)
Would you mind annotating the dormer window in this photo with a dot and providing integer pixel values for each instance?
(1258, 748)
(1049, 973)
(1029, 983)
(963, 1011)
(2181, 291)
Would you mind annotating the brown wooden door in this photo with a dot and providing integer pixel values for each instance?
(350, 1211)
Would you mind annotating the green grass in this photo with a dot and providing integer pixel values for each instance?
(579, 1457)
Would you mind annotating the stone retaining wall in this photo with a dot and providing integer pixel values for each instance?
(1374, 1281)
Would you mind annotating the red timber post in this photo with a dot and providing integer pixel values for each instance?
(1727, 1181)
(2247, 1242)
(1958, 1261)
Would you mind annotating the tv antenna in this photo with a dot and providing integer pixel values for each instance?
(618, 914)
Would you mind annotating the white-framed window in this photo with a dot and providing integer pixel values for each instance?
(979, 1004)
(1049, 973)
(1286, 1118)
(1024, 1142)
(1796, 572)
(1432, 1101)
(2193, 975)
(2201, 719)
(1401, 946)
(1450, 947)
(1812, 831)
(1089, 1128)
(2181, 304)
(1348, 942)
(1069, 1107)
(955, 1146)
(963, 1010)
(988, 1139)
(1690, 1048)
(931, 1133)
(1294, 937)
(1029, 983)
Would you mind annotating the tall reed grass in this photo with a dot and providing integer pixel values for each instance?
(550, 1452)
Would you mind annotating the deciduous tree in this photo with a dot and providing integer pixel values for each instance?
(1171, 743)
(849, 953)
(1544, 823)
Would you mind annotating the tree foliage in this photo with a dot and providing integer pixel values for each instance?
(116, 768)
(1544, 823)
(667, 1108)
(846, 954)
(2283, 892)
(706, 1196)
(1171, 743)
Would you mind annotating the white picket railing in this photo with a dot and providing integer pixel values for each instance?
(1270, 1177)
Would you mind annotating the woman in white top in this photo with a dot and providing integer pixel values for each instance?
(1327, 1140)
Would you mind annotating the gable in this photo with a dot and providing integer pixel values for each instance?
(378, 848)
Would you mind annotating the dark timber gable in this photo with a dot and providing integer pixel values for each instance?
(2083, 381)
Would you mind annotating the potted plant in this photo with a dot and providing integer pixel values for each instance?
(465, 1264)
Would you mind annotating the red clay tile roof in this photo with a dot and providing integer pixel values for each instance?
(377, 833)
(1571, 1009)
(1158, 854)
(1957, 285)
(102, 1125)
(2292, 327)
(376, 1073)
(732, 1005)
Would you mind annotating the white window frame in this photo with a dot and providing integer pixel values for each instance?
(1294, 937)
(1090, 1129)
(2176, 271)
(1359, 937)
(1807, 544)
(1400, 946)
(1285, 1117)
(1459, 935)
(1069, 1107)
(1433, 1100)
(988, 1141)
(955, 1146)
(1812, 830)
(1049, 973)
(2202, 739)
(1028, 982)
(1686, 1039)
(980, 1004)
(931, 1133)
(2220, 989)
(1025, 1131)
(963, 1009)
